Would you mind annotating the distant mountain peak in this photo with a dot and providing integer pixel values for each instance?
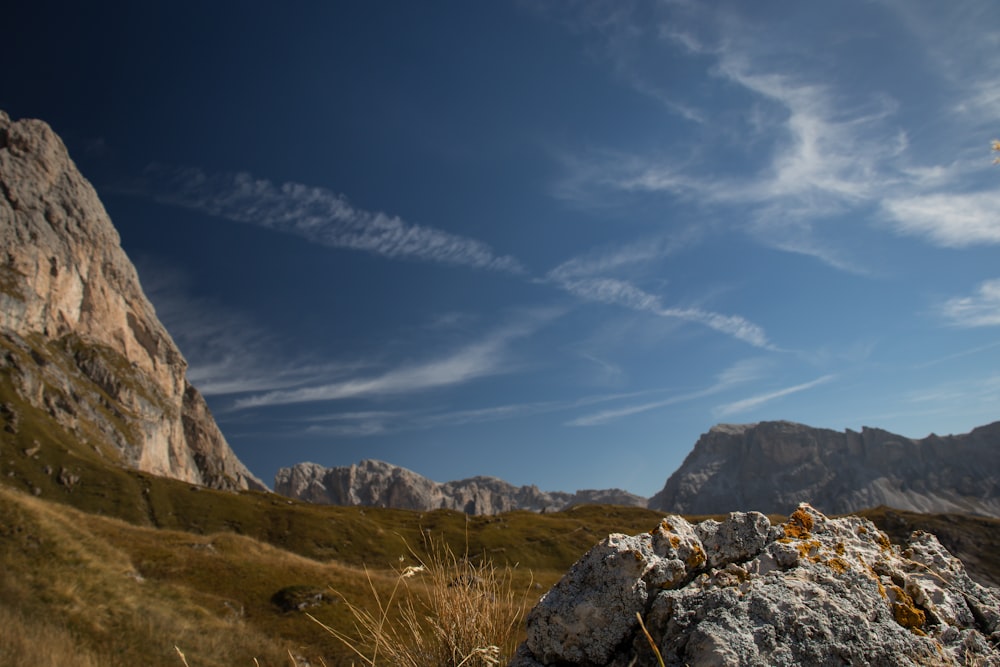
(773, 466)
(381, 484)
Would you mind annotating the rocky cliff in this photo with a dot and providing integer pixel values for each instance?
(79, 339)
(741, 592)
(379, 484)
(772, 466)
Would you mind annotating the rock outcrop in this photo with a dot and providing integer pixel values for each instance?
(744, 593)
(380, 484)
(772, 466)
(101, 364)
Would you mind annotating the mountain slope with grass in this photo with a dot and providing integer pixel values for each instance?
(230, 577)
(80, 344)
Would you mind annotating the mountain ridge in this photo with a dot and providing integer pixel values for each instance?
(380, 484)
(774, 465)
(770, 466)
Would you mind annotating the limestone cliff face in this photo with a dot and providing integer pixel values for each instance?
(70, 296)
(380, 484)
(773, 466)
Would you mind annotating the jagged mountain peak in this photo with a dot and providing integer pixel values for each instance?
(381, 484)
(773, 466)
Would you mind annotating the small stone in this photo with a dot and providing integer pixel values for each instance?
(68, 479)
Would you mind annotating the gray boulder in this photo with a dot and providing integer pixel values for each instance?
(741, 592)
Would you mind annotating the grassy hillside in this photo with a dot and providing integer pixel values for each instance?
(216, 573)
(220, 574)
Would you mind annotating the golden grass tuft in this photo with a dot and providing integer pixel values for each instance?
(444, 611)
(36, 642)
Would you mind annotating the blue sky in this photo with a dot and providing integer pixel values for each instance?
(550, 242)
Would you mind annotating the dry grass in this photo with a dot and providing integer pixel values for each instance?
(649, 638)
(445, 611)
(68, 597)
(36, 642)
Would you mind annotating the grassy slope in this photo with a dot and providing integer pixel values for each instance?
(116, 592)
(128, 592)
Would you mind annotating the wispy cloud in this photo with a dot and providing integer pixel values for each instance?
(318, 215)
(962, 49)
(747, 404)
(586, 277)
(958, 355)
(979, 310)
(623, 293)
(824, 152)
(605, 260)
(480, 359)
(970, 393)
(954, 220)
(736, 375)
(353, 424)
(381, 422)
(227, 353)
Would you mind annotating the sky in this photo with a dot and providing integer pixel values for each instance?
(552, 242)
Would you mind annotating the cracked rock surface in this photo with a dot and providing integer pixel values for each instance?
(72, 304)
(811, 591)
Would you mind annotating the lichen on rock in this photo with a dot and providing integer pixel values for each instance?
(812, 591)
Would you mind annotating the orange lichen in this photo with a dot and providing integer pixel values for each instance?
(697, 558)
(675, 541)
(809, 549)
(883, 541)
(840, 548)
(905, 611)
(908, 616)
(799, 524)
(838, 565)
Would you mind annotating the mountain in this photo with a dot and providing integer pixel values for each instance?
(380, 484)
(773, 466)
(81, 348)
